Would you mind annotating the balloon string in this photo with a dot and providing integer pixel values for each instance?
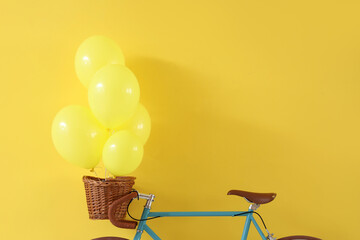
(93, 170)
(107, 174)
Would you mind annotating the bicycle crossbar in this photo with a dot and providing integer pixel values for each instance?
(146, 213)
(196, 214)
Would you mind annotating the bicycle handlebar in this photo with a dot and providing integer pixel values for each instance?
(112, 211)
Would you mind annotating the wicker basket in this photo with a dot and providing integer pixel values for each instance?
(101, 193)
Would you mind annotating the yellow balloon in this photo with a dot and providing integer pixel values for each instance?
(94, 53)
(113, 95)
(78, 136)
(139, 124)
(122, 153)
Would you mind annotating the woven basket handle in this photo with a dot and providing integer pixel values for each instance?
(112, 211)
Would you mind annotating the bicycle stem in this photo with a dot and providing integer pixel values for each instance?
(148, 197)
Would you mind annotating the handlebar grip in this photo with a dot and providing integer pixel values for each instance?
(112, 211)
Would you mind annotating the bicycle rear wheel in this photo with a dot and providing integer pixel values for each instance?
(110, 238)
(299, 238)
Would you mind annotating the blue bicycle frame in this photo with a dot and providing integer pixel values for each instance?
(147, 214)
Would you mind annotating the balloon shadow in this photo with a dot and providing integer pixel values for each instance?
(190, 138)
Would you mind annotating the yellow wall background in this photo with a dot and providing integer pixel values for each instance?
(253, 95)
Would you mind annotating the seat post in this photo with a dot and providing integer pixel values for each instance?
(254, 206)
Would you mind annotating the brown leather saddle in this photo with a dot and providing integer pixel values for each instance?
(258, 198)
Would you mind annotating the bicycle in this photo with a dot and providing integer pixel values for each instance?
(256, 199)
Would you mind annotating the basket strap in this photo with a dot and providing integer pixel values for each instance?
(112, 211)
